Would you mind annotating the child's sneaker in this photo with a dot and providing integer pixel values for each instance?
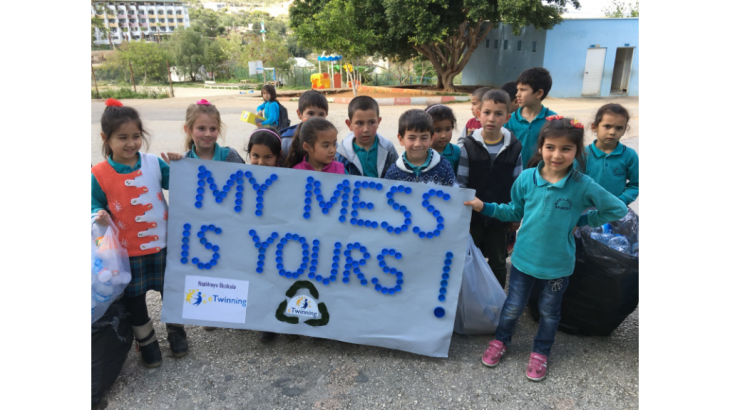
(537, 368)
(494, 353)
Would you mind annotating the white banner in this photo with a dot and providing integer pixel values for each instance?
(355, 259)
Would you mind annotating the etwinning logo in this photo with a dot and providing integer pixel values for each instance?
(303, 306)
(197, 298)
(564, 203)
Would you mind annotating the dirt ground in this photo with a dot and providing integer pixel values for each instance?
(350, 94)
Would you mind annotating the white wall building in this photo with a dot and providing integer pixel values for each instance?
(214, 6)
(138, 20)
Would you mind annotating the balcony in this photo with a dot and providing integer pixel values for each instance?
(111, 16)
(126, 25)
(113, 25)
(144, 24)
(134, 24)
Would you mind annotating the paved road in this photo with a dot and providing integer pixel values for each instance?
(230, 369)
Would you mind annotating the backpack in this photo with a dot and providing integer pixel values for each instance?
(283, 117)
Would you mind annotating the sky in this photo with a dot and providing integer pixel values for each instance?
(591, 8)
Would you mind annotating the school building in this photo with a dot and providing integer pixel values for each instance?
(586, 57)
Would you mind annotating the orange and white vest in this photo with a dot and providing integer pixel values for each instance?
(136, 205)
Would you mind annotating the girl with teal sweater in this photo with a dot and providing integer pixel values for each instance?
(270, 107)
(550, 201)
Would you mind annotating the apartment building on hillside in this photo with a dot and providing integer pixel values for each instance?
(139, 20)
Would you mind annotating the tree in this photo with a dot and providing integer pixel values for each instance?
(618, 10)
(187, 51)
(273, 52)
(292, 43)
(442, 31)
(205, 22)
(147, 57)
(232, 49)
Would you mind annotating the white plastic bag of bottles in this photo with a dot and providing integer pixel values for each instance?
(110, 273)
(481, 296)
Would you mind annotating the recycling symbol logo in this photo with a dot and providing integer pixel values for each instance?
(293, 308)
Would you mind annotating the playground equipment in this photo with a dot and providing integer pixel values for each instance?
(333, 79)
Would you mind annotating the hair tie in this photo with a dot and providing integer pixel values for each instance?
(436, 105)
(576, 124)
(554, 117)
(267, 130)
(202, 102)
(111, 102)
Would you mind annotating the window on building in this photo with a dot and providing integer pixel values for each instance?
(505, 44)
(179, 13)
(179, 20)
(112, 21)
(163, 29)
(132, 20)
(172, 28)
(113, 29)
(142, 20)
(115, 37)
(122, 20)
(170, 20)
(152, 20)
(487, 43)
(519, 45)
(534, 46)
(496, 43)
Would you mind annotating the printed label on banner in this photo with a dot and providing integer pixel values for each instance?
(215, 299)
(302, 306)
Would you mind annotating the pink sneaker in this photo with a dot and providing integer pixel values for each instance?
(537, 368)
(494, 353)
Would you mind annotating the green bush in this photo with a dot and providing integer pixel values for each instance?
(127, 93)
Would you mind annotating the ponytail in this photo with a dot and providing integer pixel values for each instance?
(307, 131)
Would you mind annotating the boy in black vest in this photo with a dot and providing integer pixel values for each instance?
(490, 162)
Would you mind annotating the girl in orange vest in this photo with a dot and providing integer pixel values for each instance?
(127, 189)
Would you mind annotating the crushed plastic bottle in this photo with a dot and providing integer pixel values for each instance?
(603, 238)
(619, 243)
(102, 292)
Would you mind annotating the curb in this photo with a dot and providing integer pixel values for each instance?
(402, 100)
(380, 89)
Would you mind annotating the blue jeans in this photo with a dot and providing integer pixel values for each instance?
(551, 297)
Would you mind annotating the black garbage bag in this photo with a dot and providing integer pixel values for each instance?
(604, 287)
(111, 339)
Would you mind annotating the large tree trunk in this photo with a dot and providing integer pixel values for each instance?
(450, 56)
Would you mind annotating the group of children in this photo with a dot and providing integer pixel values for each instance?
(527, 165)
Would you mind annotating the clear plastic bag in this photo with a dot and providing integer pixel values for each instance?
(481, 297)
(110, 272)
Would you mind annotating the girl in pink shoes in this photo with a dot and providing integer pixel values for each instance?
(126, 188)
(314, 146)
(550, 201)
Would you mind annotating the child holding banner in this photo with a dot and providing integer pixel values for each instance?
(550, 201)
(264, 148)
(314, 147)
(419, 163)
(202, 127)
(127, 189)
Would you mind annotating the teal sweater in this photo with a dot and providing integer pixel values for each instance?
(527, 132)
(98, 197)
(545, 246)
(617, 172)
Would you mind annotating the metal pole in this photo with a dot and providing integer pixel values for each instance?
(169, 77)
(132, 72)
(94, 75)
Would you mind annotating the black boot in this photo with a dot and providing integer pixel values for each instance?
(178, 340)
(148, 345)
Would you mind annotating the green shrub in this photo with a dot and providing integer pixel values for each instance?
(127, 93)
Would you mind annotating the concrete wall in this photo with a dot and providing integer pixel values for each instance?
(496, 66)
(562, 50)
(566, 47)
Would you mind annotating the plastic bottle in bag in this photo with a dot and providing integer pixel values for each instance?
(102, 292)
(619, 243)
(603, 238)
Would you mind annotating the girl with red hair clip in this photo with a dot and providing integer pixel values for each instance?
(126, 188)
(549, 200)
